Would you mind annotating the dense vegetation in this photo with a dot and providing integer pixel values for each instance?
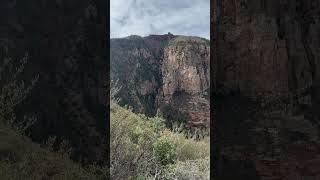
(20, 158)
(142, 148)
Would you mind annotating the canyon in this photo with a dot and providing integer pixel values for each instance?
(164, 74)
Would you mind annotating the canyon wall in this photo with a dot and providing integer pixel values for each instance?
(265, 83)
(163, 74)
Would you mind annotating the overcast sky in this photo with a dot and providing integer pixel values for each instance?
(144, 17)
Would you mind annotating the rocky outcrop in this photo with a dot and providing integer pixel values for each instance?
(163, 73)
(135, 70)
(185, 78)
(266, 83)
(66, 45)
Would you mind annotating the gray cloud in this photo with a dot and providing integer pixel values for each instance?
(144, 17)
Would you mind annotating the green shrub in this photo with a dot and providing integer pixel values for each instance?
(165, 149)
(131, 144)
(158, 123)
(190, 149)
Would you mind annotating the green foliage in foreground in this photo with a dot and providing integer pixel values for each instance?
(142, 148)
(20, 158)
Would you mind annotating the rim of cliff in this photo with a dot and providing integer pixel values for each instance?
(173, 38)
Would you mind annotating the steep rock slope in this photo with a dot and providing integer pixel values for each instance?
(266, 86)
(185, 78)
(163, 73)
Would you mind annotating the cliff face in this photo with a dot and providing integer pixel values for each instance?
(135, 68)
(185, 78)
(266, 83)
(163, 73)
(66, 45)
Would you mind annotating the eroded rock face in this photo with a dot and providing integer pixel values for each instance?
(66, 45)
(135, 70)
(266, 82)
(185, 78)
(163, 73)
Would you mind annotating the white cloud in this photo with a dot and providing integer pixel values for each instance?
(144, 17)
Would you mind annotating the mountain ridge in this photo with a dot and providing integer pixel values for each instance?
(157, 35)
(163, 73)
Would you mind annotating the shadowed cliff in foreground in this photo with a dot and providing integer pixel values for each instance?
(265, 83)
(66, 45)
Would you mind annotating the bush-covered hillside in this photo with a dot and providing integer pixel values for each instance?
(142, 148)
(20, 158)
